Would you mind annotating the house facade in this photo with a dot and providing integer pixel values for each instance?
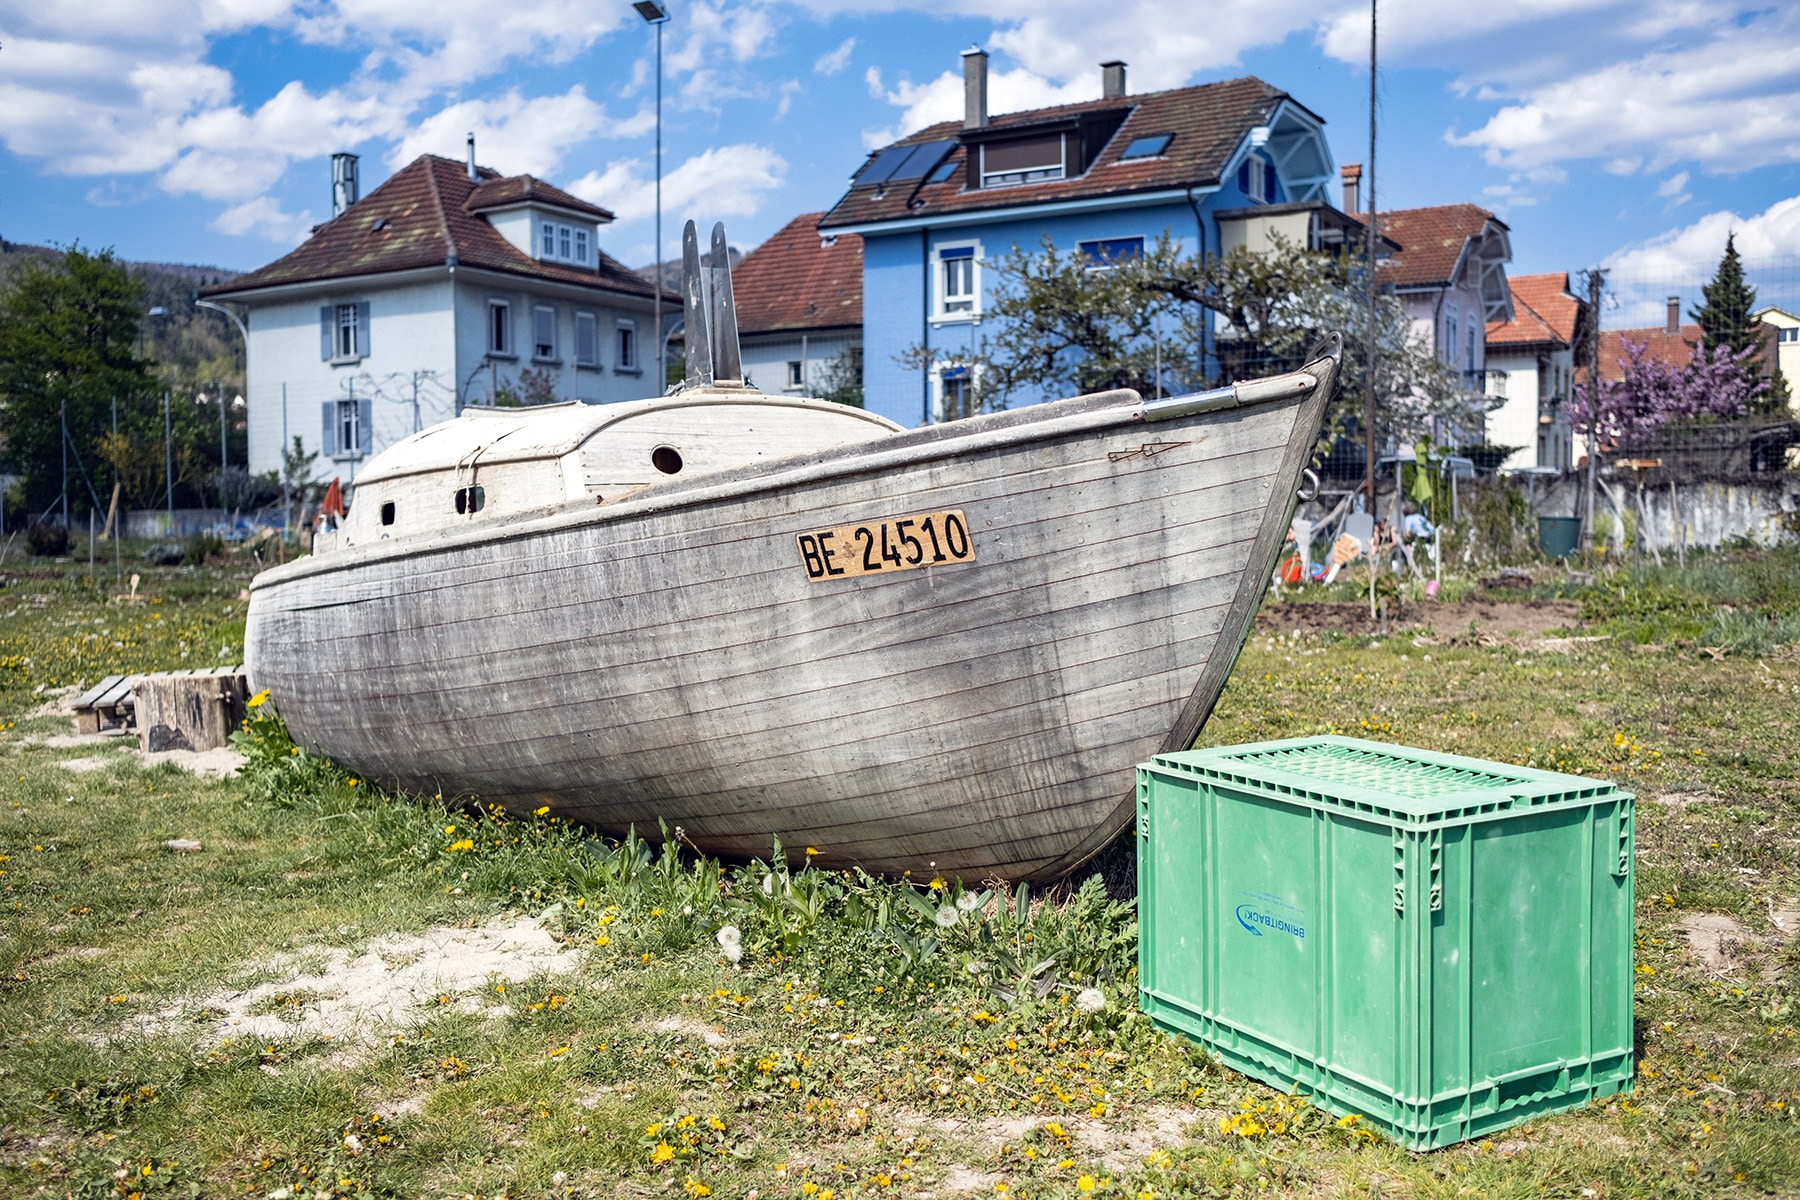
(799, 299)
(1102, 178)
(448, 285)
(1785, 328)
(1531, 368)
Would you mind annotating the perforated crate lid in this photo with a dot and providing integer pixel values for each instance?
(1379, 779)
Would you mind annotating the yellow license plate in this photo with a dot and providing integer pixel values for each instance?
(897, 544)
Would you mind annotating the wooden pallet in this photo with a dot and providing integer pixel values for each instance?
(193, 709)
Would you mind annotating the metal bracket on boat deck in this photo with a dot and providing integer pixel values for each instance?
(1256, 391)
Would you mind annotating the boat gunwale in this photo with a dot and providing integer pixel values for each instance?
(1078, 414)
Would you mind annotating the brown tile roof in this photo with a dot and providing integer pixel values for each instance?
(1207, 122)
(794, 281)
(1433, 238)
(418, 218)
(518, 189)
(1672, 349)
(1544, 313)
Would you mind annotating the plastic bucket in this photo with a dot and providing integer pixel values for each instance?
(1558, 536)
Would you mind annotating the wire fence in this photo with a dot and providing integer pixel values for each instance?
(1637, 297)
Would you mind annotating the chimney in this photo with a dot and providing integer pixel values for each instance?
(345, 190)
(974, 88)
(474, 175)
(1112, 79)
(1351, 173)
(1674, 325)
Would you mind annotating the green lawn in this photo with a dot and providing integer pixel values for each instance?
(176, 1024)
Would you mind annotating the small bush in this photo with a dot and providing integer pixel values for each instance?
(201, 547)
(47, 541)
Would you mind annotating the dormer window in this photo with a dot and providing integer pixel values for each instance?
(1023, 160)
(563, 243)
(1256, 179)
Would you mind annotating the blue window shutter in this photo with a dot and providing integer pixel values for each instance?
(1244, 177)
(365, 426)
(328, 424)
(324, 333)
(362, 328)
(1269, 182)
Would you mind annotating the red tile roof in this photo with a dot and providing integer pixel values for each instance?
(794, 281)
(419, 218)
(519, 189)
(1544, 313)
(1434, 239)
(1673, 349)
(1207, 122)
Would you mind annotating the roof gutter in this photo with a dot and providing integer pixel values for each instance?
(983, 216)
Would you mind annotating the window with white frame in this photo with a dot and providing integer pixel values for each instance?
(1790, 335)
(587, 340)
(1450, 328)
(956, 393)
(1024, 160)
(1106, 253)
(499, 328)
(957, 280)
(562, 243)
(349, 429)
(796, 374)
(627, 340)
(543, 332)
(348, 340)
(1254, 179)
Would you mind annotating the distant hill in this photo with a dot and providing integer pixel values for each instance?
(195, 350)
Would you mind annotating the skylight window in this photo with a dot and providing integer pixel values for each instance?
(943, 172)
(1150, 146)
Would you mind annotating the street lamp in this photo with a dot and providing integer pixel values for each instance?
(655, 14)
(235, 320)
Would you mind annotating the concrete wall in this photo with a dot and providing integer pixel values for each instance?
(1705, 514)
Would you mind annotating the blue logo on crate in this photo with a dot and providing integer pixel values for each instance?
(1252, 917)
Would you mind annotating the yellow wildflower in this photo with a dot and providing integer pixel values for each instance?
(538, 812)
(663, 1153)
(1085, 1182)
(258, 700)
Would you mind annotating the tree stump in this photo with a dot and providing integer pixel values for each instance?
(188, 712)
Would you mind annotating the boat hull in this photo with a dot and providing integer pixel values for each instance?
(671, 658)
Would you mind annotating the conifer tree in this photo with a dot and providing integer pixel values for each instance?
(1726, 323)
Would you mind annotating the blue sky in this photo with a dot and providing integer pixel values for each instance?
(1629, 132)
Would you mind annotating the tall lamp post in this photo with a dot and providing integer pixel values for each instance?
(238, 321)
(655, 14)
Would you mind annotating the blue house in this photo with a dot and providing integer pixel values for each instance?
(1216, 165)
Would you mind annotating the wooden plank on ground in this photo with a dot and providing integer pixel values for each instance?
(187, 712)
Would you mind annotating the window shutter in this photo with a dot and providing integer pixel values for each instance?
(328, 423)
(1244, 177)
(365, 426)
(325, 333)
(362, 329)
(1269, 182)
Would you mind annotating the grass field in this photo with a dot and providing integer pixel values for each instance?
(345, 993)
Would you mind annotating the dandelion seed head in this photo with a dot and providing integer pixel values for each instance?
(1090, 1000)
(947, 917)
(967, 902)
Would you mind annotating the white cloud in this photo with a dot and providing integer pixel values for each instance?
(833, 61)
(725, 181)
(941, 99)
(264, 217)
(513, 134)
(1679, 261)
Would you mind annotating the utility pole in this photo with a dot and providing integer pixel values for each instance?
(1369, 286)
(415, 382)
(1596, 282)
(63, 421)
(169, 465)
(286, 502)
(655, 14)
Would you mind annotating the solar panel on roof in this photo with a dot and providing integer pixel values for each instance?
(904, 162)
(946, 170)
(1147, 147)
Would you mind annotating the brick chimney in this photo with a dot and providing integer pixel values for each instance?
(1351, 174)
(1674, 322)
(1112, 79)
(975, 114)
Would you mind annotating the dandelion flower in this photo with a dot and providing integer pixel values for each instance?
(1090, 1000)
(258, 700)
(1085, 1182)
(729, 935)
(967, 901)
(947, 917)
(812, 852)
(663, 1153)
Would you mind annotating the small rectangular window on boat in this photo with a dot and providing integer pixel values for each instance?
(470, 499)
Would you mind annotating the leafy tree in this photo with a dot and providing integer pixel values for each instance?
(68, 344)
(1718, 383)
(840, 380)
(1065, 325)
(1726, 323)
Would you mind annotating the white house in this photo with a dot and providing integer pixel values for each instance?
(799, 306)
(1786, 328)
(1531, 366)
(447, 285)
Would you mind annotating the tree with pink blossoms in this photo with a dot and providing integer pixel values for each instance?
(1717, 383)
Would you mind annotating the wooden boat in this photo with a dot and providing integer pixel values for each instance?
(751, 617)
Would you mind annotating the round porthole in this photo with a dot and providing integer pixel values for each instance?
(666, 459)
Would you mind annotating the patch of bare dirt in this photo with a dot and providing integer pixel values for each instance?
(964, 1181)
(1122, 1142)
(355, 997)
(693, 1027)
(1718, 941)
(1507, 620)
(1784, 914)
(1678, 802)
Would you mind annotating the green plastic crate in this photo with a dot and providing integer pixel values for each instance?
(1439, 944)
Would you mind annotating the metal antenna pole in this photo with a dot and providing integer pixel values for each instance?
(662, 369)
(1596, 280)
(1370, 288)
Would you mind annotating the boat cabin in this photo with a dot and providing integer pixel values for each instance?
(491, 464)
